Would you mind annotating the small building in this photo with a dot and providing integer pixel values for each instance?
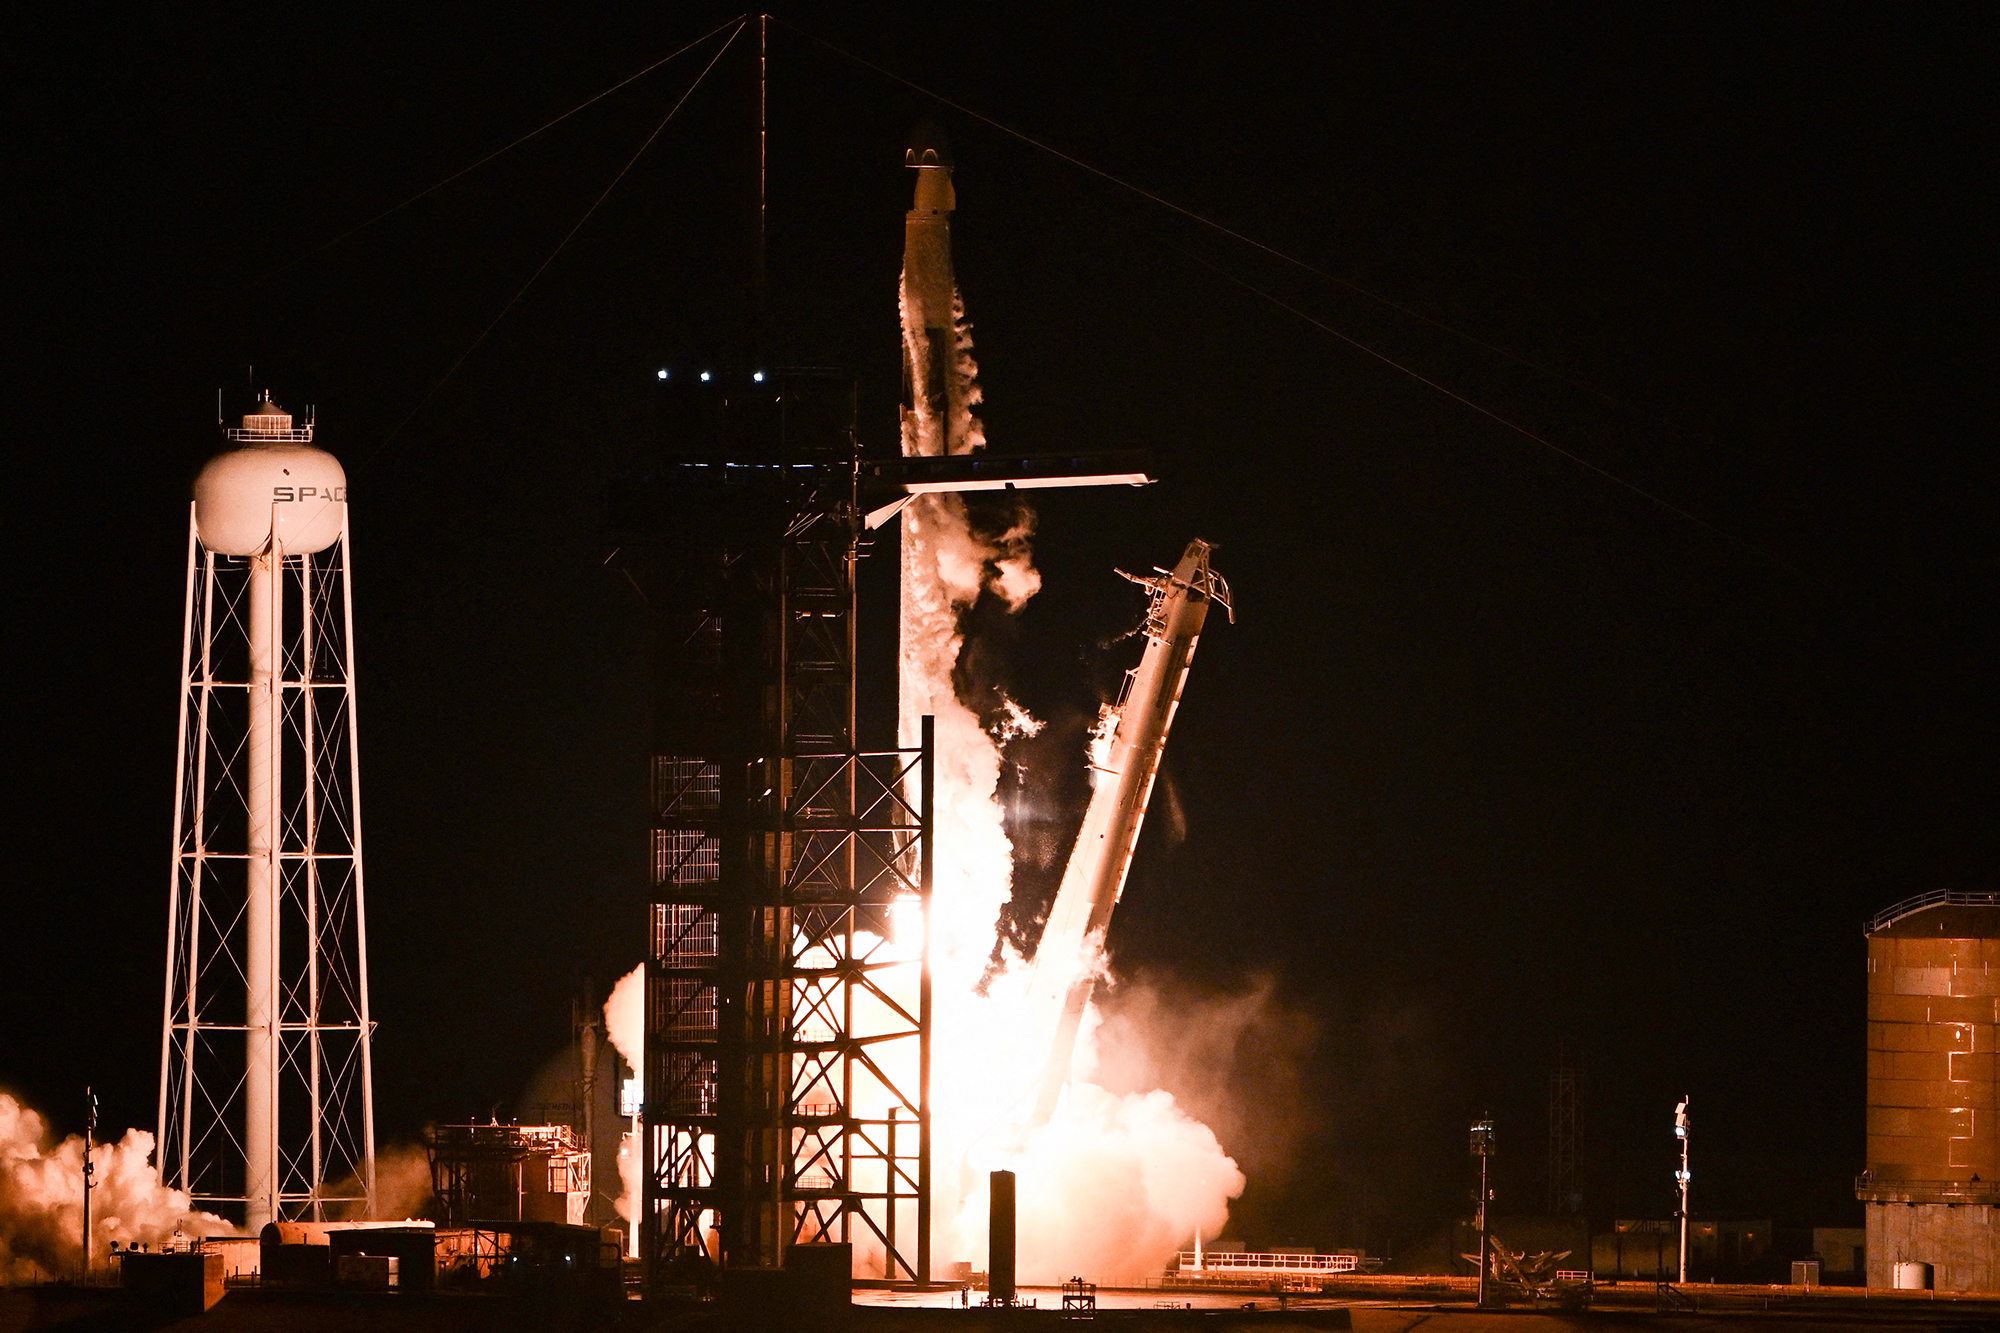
(306, 1254)
(531, 1256)
(1651, 1248)
(242, 1256)
(1842, 1252)
(176, 1284)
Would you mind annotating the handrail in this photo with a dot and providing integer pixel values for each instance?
(1963, 1191)
(1889, 916)
(288, 435)
(1237, 1261)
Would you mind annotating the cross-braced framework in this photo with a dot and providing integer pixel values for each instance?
(266, 1082)
(860, 1010)
(1565, 1187)
(787, 998)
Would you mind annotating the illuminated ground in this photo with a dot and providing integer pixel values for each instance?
(1625, 1309)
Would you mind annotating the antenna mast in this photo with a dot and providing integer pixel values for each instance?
(763, 158)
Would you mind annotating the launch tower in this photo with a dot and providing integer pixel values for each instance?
(266, 1087)
(786, 1079)
(787, 996)
(788, 1031)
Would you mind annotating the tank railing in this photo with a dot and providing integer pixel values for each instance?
(1974, 1191)
(1889, 916)
(295, 435)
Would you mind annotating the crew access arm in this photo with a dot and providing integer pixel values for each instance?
(1125, 758)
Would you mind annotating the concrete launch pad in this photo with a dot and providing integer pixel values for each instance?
(1625, 1309)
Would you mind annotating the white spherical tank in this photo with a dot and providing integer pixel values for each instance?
(275, 476)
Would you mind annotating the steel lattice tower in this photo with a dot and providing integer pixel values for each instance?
(787, 989)
(266, 1083)
(1565, 1131)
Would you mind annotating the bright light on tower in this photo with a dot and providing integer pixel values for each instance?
(663, 372)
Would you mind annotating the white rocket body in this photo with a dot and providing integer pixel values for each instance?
(1125, 760)
(937, 419)
(933, 416)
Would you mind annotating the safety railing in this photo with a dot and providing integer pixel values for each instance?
(1234, 1262)
(1889, 916)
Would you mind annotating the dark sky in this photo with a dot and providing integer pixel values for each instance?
(1502, 757)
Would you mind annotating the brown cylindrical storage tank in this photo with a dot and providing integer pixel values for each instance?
(1933, 1181)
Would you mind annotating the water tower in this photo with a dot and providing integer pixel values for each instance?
(266, 1084)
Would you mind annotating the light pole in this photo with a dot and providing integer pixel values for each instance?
(1483, 1147)
(89, 1174)
(1681, 1177)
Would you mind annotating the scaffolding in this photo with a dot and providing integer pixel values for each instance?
(787, 990)
(1565, 1131)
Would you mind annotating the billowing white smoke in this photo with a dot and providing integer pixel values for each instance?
(402, 1182)
(402, 1187)
(625, 1021)
(1109, 1186)
(41, 1199)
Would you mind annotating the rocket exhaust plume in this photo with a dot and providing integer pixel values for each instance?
(1108, 1185)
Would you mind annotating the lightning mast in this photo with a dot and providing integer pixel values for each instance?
(266, 1102)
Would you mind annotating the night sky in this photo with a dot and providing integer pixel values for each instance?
(1502, 759)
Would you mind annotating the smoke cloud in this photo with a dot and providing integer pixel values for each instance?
(625, 1023)
(1110, 1188)
(625, 1016)
(402, 1187)
(1112, 1183)
(41, 1199)
(1234, 1058)
(402, 1182)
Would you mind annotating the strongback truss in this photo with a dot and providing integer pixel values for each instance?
(322, 1117)
(787, 1013)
